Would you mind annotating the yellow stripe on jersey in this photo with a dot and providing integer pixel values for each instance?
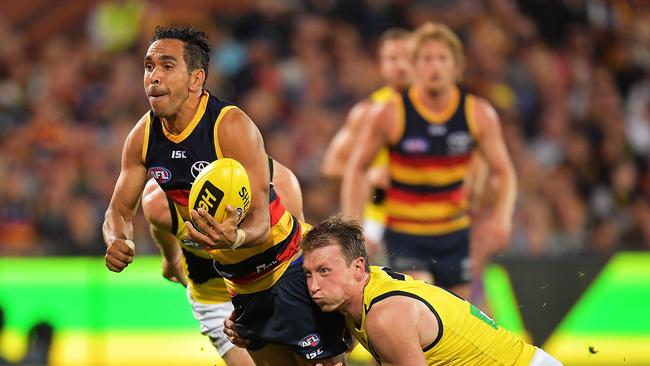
(425, 210)
(279, 232)
(145, 144)
(222, 113)
(467, 335)
(470, 102)
(212, 291)
(401, 120)
(438, 176)
(270, 278)
(431, 228)
(435, 118)
(261, 283)
(190, 127)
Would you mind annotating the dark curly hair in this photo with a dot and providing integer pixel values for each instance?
(196, 52)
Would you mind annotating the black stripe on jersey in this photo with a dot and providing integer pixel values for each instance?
(172, 211)
(199, 270)
(413, 296)
(425, 188)
(270, 168)
(267, 259)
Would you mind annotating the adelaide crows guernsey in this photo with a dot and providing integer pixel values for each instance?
(466, 335)
(175, 161)
(428, 164)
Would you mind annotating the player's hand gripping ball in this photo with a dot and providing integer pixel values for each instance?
(223, 182)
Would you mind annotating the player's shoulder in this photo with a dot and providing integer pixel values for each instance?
(382, 94)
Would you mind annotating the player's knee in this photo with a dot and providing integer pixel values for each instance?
(154, 204)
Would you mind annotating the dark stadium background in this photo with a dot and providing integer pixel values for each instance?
(569, 79)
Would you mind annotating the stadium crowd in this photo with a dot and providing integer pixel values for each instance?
(570, 80)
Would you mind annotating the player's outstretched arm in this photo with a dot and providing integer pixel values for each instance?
(118, 219)
(381, 119)
(394, 328)
(495, 230)
(339, 150)
(239, 139)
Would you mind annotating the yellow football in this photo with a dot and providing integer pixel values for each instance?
(223, 182)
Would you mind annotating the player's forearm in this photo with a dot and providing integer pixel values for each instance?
(353, 192)
(166, 242)
(256, 228)
(116, 226)
(506, 192)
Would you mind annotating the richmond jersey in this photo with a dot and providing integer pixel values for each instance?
(466, 336)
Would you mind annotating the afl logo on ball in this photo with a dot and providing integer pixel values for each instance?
(160, 174)
(197, 167)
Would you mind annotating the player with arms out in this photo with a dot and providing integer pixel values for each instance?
(399, 320)
(431, 130)
(395, 69)
(185, 129)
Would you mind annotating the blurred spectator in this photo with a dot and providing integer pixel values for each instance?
(569, 79)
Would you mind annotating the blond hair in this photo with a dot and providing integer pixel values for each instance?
(431, 31)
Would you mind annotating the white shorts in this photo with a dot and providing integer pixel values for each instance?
(374, 230)
(211, 317)
(542, 358)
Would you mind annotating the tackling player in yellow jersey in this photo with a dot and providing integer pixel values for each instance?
(399, 320)
(432, 130)
(395, 69)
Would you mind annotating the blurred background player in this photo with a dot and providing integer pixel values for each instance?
(185, 129)
(432, 130)
(399, 320)
(209, 300)
(395, 69)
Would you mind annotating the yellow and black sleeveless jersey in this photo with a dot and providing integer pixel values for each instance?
(466, 335)
(175, 161)
(428, 164)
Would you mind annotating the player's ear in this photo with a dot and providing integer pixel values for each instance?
(359, 268)
(197, 78)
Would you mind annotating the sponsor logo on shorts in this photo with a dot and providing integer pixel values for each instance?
(160, 174)
(311, 340)
(197, 167)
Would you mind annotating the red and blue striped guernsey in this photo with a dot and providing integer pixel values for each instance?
(428, 164)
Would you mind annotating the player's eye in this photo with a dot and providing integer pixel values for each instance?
(148, 67)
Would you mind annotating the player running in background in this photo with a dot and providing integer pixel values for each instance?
(185, 129)
(399, 320)
(431, 130)
(395, 69)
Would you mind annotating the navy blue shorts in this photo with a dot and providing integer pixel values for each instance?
(285, 314)
(446, 256)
